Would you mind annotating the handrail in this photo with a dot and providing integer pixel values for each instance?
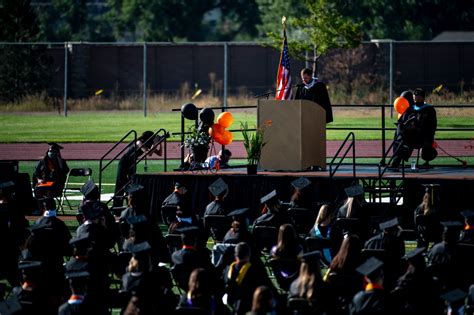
(352, 145)
(132, 143)
(386, 166)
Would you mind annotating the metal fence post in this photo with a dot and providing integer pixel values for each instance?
(144, 80)
(66, 52)
(391, 78)
(225, 74)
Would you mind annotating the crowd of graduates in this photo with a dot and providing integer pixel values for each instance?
(233, 261)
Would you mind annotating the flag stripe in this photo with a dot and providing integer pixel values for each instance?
(283, 84)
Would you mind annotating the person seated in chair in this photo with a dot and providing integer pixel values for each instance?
(272, 214)
(50, 173)
(467, 236)
(427, 223)
(219, 189)
(416, 130)
(301, 197)
(221, 160)
(178, 198)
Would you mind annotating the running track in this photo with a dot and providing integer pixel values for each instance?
(94, 151)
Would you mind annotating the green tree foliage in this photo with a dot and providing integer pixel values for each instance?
(66, 20)
(271, 12)
(323, 29)
(409, 19)
(24, 69)
(160, 20)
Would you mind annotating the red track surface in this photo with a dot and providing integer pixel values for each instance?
(94, 151)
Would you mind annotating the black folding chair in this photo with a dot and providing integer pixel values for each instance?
(218, 225)
(73, 189)
(265, 237)
(174, 242)
(168, 214)
(302, 218)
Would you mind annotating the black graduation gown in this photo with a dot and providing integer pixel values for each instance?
(240, 295)
(216, 207)
(467, 237)
(369, 302)
(320, 303)
(270, 218)
(126, 169)
(54, 170)
(318, 93)
(84, 308)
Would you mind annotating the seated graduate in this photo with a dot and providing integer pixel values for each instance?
(33, 295)
(314, 90)
(263, 302)
(272, 215)
(288, 246)
(416, 292)
(393, 245)
(221, 160)
(341, 275)
(416, 129)
(238, 231)
(79, 302)
(219, 189)
(310, 285)
(467, 236)
(427, 223)
(241, 279)
(201, 295)
(373, 299)
(444, 260)
(301, 197)
(179, 198)
(352, 207)
(50, 173)
(149, 284)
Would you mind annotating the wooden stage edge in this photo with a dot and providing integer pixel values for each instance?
(345, 171)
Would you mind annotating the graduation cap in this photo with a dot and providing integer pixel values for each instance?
(301, 183)
(354, 191)
(452, 225)
(415, 253)
(77, 274)
(429, 188)
(88, 188)
(389, 224)
(91, 210)
(311, 257)
(133, 188)
(269, 197)
(218, 187)
(138, 219)
(139, 249)
(468, 214)
(6, 186)
(54, 146)
(239, 214)
(454, 296)
(29, 265)
(370, 266)
(80, 240)
(188, 230)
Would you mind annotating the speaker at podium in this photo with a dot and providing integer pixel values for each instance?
(296, 140)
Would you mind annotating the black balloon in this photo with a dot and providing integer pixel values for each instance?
(189, 111)
(207, 116)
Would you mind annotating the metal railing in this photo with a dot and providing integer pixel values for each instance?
(351, 146)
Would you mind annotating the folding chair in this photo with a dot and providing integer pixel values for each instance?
(174, 242)
(218, 225)
(73, 191)
(303, 219)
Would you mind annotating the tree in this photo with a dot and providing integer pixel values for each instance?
(409, 19)
(160, 20)
(271, 12)
(66, 20)
(24, 69)
(323, 29)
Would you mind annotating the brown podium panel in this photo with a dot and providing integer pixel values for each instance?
(296, 140)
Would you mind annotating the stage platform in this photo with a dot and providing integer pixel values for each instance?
(456, 184)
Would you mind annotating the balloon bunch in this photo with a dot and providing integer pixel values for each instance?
(217, 131)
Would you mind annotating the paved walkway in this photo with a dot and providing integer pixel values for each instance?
(94, 151)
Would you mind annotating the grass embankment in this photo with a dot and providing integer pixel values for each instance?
(110, 126)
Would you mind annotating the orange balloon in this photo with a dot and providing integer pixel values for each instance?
(225, 119)
(227, 138)
(401, 105)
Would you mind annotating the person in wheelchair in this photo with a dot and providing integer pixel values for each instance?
(415, 130)
(50, 173)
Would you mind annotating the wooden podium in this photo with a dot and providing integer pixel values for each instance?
(296, 140)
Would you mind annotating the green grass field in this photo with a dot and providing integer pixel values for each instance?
(110, 126)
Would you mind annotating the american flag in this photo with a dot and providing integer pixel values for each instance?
(283, 84)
